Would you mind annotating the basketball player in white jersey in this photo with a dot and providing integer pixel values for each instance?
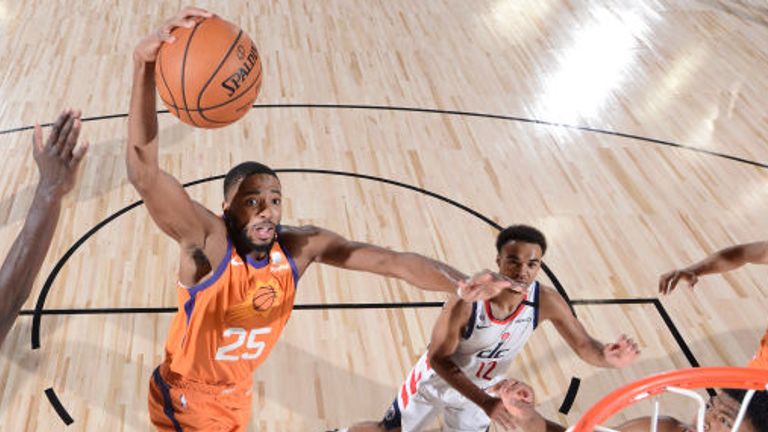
(474, 343)
(57, 161)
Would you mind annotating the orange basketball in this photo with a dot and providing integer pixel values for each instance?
(210, 75)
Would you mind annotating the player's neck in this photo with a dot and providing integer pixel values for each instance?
(244, 249)
(258, 255)
(505, 302)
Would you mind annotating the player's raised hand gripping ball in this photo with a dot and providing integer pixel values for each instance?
(207, 70)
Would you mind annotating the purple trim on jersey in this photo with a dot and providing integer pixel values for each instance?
(189, 305)
(470, 327)
(290, 258)
(167, 403)
(258, 264)
(294, 269)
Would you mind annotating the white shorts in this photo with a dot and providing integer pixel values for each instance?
(414, 411)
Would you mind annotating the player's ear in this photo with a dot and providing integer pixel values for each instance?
(498, 260)
(225, 205)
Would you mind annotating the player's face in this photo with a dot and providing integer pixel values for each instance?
(253, 211)
(520, 261)
(721, 415)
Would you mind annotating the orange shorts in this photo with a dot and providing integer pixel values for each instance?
(761, 358)
(178, 405)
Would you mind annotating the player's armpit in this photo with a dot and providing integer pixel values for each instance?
(446, 332)
(174, 212)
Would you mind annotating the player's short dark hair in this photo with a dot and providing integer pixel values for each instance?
(757, 411)
(522, 233)
(244, 170)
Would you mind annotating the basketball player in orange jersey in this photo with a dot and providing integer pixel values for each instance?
(238, 272)
(720, 415)
(720, 262)
(57, 161)
(474, 343)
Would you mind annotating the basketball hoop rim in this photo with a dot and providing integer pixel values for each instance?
(691, 378)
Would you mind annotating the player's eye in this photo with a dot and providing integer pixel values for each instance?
(276, 201)
(252, 202)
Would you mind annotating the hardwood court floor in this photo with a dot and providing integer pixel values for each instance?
(618, 211)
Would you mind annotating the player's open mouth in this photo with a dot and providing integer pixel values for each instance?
(264, 232)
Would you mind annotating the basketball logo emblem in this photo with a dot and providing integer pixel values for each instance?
(264, 298)
(259, 303)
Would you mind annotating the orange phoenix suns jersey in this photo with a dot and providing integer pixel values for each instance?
(227, 325)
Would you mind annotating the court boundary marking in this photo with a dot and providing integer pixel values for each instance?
(460, 113)
(39, 310)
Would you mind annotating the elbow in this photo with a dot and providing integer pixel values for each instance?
(437, 361)
(139, 181)
(140, 176)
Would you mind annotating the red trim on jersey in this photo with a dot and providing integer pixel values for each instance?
(404, 396)
(512, 316)
(414, 380)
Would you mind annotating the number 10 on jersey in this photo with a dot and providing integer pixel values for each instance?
(248, 338)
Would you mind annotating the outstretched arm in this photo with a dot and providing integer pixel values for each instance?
(721, 261)
(168, 203)
(327, 247)
(58, 161)
(613, 355)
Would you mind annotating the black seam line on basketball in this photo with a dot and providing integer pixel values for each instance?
(167, 87)
(570, 395)
(457, 113)
(243, 93)
(218, 68)
(58, 407)
(39, 306)
(183, 70)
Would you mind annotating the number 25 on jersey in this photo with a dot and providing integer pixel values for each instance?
(243, 337)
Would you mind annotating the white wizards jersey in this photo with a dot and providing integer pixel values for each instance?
(487, 347)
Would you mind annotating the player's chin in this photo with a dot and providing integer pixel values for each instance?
(259, 243)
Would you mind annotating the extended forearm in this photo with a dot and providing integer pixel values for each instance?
(455, 377)
(729, 259)
(26, 256)
(428, 274)
(591, 351)
(142, 155)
